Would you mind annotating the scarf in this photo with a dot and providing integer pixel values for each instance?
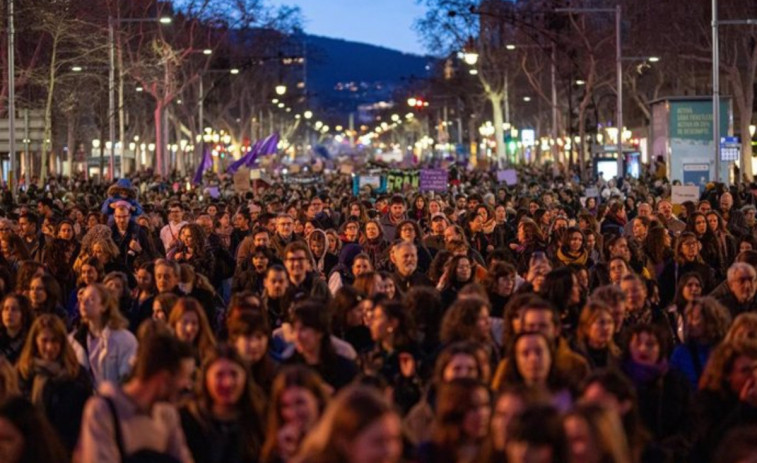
(568, 258)
(44, 371)
(644, 374)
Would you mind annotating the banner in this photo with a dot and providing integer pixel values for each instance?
(507, 176)
(682, 193)
(397, 180)
(433, 180)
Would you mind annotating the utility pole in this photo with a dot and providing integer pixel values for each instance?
(111, 101)
(11, 97)
(619, 71)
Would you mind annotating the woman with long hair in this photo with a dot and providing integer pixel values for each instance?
(537, 436)
(52, 379)
(664, 393)
(458, 272)
(530, 239)
(192, 248)
(594, 336)
(562, 289)
(15, 323)
(224, 422)
(13, 250)
(27, 435)
(573, 250)
(45, 297)
(103, 344)
(461, 423)
(726, 377)
(313, 346)
(250, 335)
(457, 360)
(118, 283)
(318, 243)
(531, 362)
(723, 241)
(189, 323)
(613, 391)
(706, 322)
(468, 320)
(690, 287)
(688, 258)
(595, 435)
(395, 355)
(349, 307)
(297, 401)
(500, 286)
(657, 250)
(90, 271)
(359, 425)
(375, 244)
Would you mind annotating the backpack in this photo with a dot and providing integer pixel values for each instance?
(140, 456)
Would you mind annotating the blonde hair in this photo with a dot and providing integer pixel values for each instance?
(605, 426)
(111, 317)
(746, 321)
(349, 413)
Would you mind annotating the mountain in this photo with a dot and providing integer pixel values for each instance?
(342, 75)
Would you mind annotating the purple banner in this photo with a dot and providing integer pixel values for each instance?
(433, 180)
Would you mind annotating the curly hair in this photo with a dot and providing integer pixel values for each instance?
(715, 316)
(715, 376)
(459, 323)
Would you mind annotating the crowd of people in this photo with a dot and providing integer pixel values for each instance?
(302, 323)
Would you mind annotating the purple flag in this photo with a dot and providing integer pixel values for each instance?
(244, 160)
(266, 148)
(205, 164)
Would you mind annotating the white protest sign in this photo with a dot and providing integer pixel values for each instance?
(682, 193)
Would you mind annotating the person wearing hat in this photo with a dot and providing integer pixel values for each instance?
(435, 238)
(122, 190)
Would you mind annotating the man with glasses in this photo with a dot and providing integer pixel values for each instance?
(303, 281)
(284, 234)
(170, 233)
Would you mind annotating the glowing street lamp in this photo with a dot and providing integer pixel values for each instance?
(281, 89)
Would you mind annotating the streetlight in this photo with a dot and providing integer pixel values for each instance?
(308, 114)
(165, 20)
(77, 68)
(470, 54)
(281, 89)
(207, 51)
(619, 76)
(234, 71)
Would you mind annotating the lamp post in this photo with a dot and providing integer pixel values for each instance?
(112, 86)
(716, 80)
(11, 96)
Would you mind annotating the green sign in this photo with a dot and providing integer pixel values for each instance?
(692, 120)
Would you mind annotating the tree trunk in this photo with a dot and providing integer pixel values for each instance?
(48, 131)
(499, 132)
(70, 141)
(159, 142)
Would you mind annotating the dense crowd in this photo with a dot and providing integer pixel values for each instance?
(149, 321)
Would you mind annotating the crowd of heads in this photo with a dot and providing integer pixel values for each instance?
(301, 323)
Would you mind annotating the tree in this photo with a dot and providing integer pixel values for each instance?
(69, 41)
